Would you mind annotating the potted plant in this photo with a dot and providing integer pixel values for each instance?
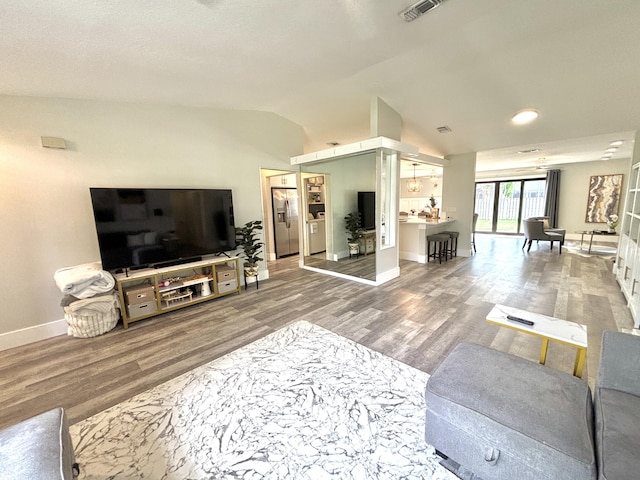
(354, 229)
(247, 239)
(435, 212)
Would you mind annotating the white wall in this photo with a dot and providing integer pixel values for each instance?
(458, 191)
(47, 220)
(574, 189)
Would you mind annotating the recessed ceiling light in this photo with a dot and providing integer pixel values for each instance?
(612, 149)
(617, 143)
(525, 116)
(607, 156)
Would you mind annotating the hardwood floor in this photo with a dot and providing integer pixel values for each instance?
(417, 319)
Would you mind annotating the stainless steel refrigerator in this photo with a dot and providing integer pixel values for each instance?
(285, 221)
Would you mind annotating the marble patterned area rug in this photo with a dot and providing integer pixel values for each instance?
(301, 403)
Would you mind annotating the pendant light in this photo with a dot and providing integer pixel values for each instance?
(414, 185)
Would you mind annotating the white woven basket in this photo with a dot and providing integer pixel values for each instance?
(85, 326)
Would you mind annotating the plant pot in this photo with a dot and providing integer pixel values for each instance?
(251, 270)
(354, 248)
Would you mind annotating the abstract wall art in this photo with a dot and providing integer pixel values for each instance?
(604, 197)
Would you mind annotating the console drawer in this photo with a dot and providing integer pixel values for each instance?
(225, 273)
(229, 286)
(140, 309)
(139, 294)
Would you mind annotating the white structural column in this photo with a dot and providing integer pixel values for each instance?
(384, 120)
(458, 190)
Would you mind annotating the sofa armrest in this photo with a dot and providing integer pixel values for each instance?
(620, 362)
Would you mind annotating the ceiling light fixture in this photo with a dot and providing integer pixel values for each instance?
(414, 185)
(617, 143)
(525, 116)
(611, 150)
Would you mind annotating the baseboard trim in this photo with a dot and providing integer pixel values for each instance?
(24, 336)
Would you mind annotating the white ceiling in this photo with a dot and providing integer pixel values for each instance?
(467, 64)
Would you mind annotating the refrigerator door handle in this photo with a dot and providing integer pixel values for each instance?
(287, 214)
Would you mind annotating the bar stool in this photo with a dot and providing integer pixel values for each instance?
(440, 246)
(453, 251)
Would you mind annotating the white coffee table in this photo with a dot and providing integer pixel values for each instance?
(548, 328)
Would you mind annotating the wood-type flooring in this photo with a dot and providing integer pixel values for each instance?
(417, 319)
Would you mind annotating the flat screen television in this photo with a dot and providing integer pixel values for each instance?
(367, 210)
(161, 226)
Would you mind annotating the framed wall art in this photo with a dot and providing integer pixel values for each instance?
(604, 197)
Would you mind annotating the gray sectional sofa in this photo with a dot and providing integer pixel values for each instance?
(504, 417)
(38, 448)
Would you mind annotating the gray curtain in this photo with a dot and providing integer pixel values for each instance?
(552, 197)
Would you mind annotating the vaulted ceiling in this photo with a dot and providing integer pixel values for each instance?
(467, 64)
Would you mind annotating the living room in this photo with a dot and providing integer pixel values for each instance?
(130, 137)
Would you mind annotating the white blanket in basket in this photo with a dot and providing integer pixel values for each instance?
(92, 316)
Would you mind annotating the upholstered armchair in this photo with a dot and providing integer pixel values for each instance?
(534, 230)
(546, 228)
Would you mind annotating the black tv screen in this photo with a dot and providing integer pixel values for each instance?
(156, 226)
(367, 210)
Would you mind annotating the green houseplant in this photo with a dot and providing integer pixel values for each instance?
(354, 229)
(247, 239)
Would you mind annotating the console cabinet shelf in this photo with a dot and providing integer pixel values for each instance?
(153, 291)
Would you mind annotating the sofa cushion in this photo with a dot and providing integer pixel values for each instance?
(617, 434)
(504, 417)
(39, 447)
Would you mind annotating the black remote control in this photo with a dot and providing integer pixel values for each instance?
(520, 320)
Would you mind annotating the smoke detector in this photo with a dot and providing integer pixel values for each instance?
(420, 8)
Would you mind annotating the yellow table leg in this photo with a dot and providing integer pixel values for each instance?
(543, 351)
(581, 356)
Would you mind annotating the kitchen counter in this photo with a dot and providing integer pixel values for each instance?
(413, 236)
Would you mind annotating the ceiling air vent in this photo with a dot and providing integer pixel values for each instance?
(443, 129)
(420, 8)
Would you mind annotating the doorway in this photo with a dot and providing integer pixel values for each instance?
(279, 181)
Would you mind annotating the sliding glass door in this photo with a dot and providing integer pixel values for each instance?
(485, 193)
(508, 206)
(533, 199)
(501, 205)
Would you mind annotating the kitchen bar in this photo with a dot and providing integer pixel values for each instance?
(413, 236)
